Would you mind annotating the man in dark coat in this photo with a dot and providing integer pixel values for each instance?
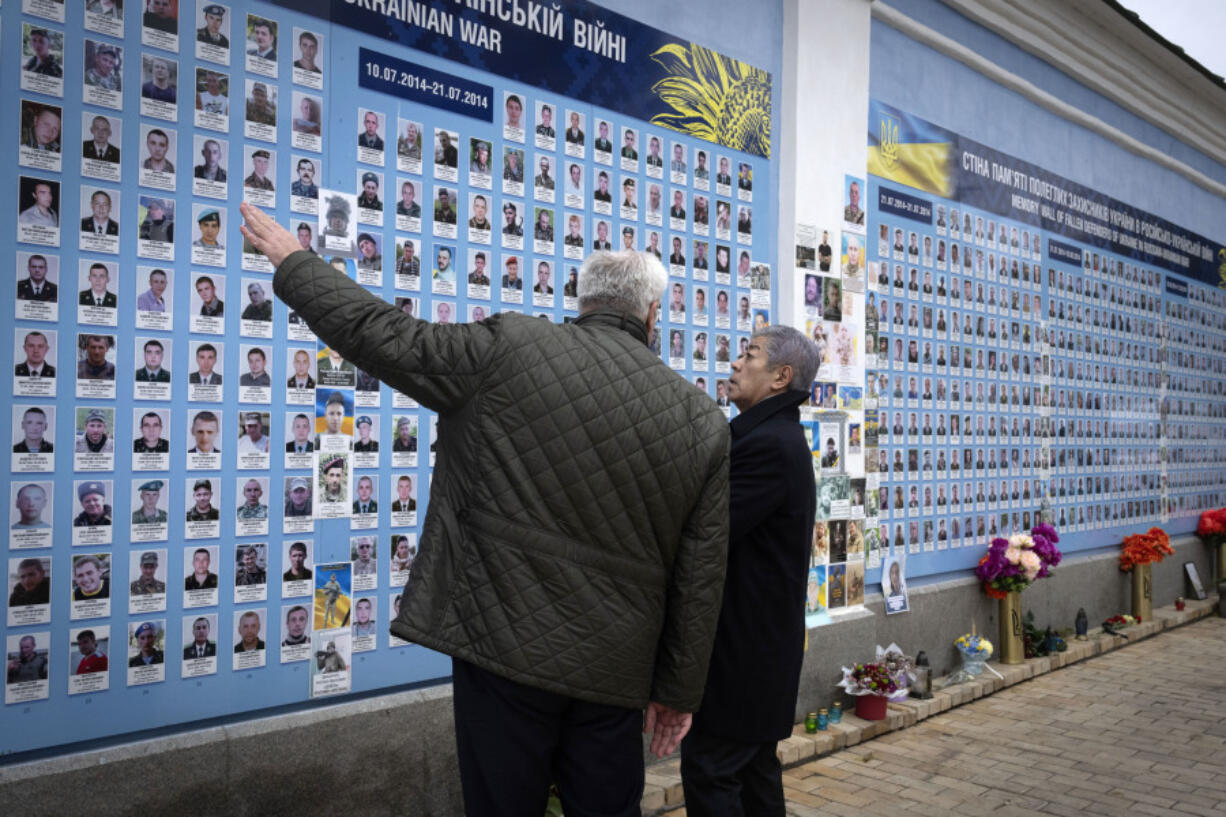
(728, 762)
(565, 616)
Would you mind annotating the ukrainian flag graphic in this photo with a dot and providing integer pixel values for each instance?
(907, 150)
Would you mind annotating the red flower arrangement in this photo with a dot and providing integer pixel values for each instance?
(1145, 548)
(1212, 527)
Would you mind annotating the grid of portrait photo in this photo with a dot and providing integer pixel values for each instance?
(1014, 384)
(219, 453)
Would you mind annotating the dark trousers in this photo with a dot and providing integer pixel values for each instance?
(513, 740)
(729, 778)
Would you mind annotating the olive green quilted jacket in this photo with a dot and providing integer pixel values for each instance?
(577, 527)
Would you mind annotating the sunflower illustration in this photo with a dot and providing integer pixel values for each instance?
(714, 98)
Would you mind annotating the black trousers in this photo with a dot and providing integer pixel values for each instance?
(729, 778)
(514, 740)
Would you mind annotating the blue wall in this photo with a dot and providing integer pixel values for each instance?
(921, 81)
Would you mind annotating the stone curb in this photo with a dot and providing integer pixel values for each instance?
(662, 791)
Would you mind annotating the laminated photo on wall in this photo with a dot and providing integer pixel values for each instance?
(39, 206)
(331, 670)
(159, 90)
(365, 629)
(404, 501)
(94, 520)
(29, 580)
(210, 177)
(199, 638)
(204, 382)
(155, 304)
(306, 126)
(202, 520)
(365, 503)
(337, 229)
(42, 58)
(250, 650)
(155, 218)
(403, 551)
(332, 596)
(146, 652)
(150, 448)
(212, 24)
(33, 431)
(94, 439)
(250, 572)
(304, 197)
(211, 110)
(207, 307)
(40, 134)
(408, 207)
(296, 643)
(200, 577)
(333, 484)
(149, 511)
(309, 58)
(147, 591)
(363, 552)
(99, 227)
(298, 557)
(251, 513)
(370, 201)
(89, 649)
(253, 444)
(91, 586)
(27, 661)
(37, 287)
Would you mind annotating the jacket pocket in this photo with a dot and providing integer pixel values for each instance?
(529, 537)
(556, 612)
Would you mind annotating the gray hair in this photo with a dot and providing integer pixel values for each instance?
(625, 281)
(786, 346)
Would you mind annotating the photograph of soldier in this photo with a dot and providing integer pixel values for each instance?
(200, 577)
(202, 509)
(148, 584)
(150, 440)
(252, 509)
(145, 641)
(216, 28)
(30, 501)
(33, 584)
(150, 512)
(34, 432)
(95, 510)
(249, 566)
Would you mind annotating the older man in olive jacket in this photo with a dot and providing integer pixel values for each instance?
(572, 559)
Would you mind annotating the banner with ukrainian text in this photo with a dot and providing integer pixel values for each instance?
(910, 151)
(580, 50)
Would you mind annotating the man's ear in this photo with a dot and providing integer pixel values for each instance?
(783, 376)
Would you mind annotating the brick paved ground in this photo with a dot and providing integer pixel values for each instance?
(1140, 730)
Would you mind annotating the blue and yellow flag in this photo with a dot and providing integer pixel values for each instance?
(907, 150)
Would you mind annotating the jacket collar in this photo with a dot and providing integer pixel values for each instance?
(614, 320)
(787, 403)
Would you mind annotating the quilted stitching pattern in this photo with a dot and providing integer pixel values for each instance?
(592, 560)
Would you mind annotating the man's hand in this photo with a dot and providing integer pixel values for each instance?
(668, 727)
(266, 235)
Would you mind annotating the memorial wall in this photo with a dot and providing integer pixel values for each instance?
(211, 513)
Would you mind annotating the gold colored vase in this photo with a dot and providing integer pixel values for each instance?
(1010, 612)
(1142, 592)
